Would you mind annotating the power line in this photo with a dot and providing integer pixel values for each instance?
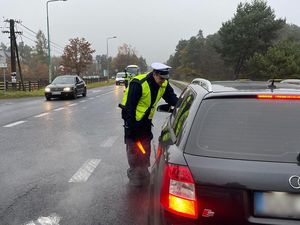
(51, 42)
(27, 28)
(28, 38)
(33, 36)
(55, 49)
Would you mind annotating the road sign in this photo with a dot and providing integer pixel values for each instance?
(3, 65)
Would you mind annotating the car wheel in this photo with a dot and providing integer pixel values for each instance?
(84, 93)
(48, 98)
(74, 94)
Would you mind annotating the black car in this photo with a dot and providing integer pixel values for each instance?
(66, 86)
(229, 154)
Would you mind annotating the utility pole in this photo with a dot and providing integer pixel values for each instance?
(13, 53)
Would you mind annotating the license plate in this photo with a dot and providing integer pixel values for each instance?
(277, 204)
(56, 92)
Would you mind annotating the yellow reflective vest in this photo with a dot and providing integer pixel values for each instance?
(145, 100)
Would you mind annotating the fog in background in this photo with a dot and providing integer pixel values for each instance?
(153, 27)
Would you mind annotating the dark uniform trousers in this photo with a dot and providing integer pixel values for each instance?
(139, 162)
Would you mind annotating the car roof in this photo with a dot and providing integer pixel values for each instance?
(237, 87)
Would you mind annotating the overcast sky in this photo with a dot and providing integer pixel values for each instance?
(152, 27)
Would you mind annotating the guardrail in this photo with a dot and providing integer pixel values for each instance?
(95, 79)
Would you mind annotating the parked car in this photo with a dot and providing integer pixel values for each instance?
(229, 154)
(66, 86)
(120, 78)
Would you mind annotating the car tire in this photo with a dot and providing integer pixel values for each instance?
(74, 94)
(84, 93)
(48, 99)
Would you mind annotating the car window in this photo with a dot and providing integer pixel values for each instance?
(182, 111)
(63, 80)
(247, 129)
(179, 103)
(120, 75)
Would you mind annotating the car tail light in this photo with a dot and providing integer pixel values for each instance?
(279, 97)
(178, 194)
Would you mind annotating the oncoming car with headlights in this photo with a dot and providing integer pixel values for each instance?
(66, 86)
(229, 155)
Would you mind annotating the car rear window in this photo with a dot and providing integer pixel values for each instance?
(250, 129)
(120, 75)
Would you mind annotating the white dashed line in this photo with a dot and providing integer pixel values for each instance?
(73, 104)
(96, 91)
(107, 93)
(53, 219)
(109, 142)
(58, 109)
(41, 115)
(15, 123)
(91, 98)
(83, 101)
(85, 171)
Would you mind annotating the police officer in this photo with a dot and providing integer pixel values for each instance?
(138, 107)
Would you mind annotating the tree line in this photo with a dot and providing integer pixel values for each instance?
(77, 58)
(252, 45)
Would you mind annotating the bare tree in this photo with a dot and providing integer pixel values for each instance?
(77, 55)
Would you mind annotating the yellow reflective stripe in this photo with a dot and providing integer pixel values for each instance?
(160, 93)
(145, 100)
(144, 103)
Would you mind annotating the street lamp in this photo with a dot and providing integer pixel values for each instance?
(107, 54)
(48, 33)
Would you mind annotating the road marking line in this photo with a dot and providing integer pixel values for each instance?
(53, 219)
(96, 91)
(107, 93)
(109, 142)
(91, 98)
(41, 115)
(15, 123)
(85, 171)
(83, 101)
(73, 104)
(58, 109)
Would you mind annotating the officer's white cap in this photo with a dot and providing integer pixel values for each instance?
(162, 69)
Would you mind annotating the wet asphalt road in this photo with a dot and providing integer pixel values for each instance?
(63, 162)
